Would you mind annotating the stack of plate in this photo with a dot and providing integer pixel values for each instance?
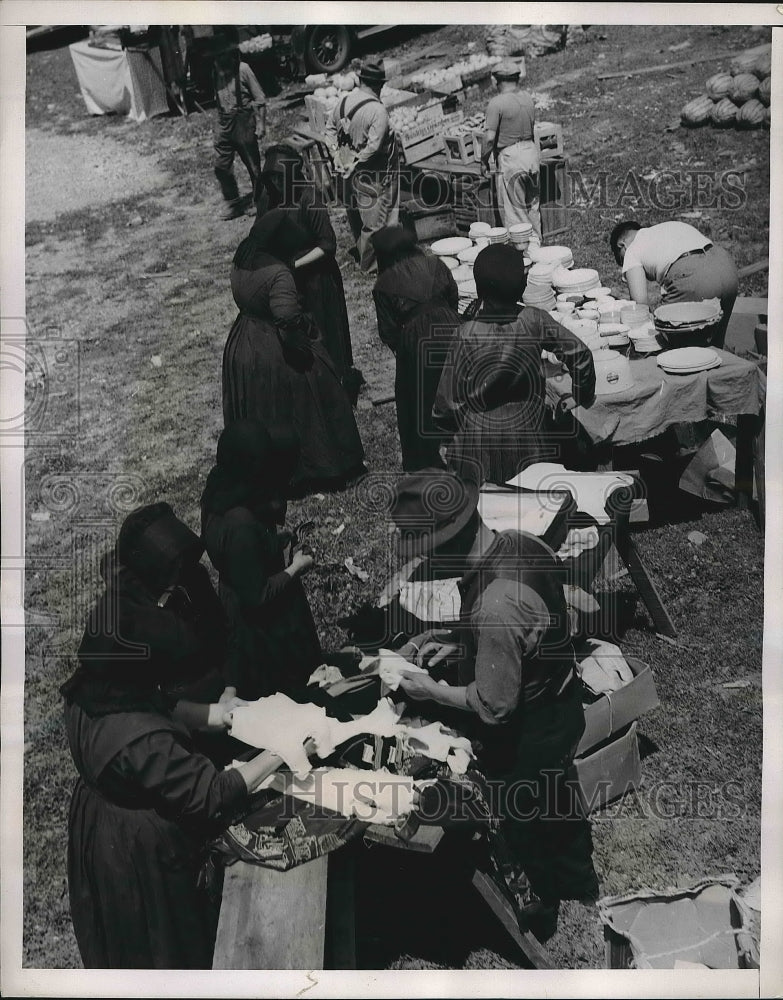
(478, 229)
(520, 234)
(467, 294)
(688, 360)
(559, 256)
(451, 262)
(462, 273)
(540, 296)
(688, 324)
(601, 292)
(451, 246)
(498, 234)
(469, 256)
(580, 279)
(541, 274)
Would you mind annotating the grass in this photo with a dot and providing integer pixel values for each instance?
(155, 429)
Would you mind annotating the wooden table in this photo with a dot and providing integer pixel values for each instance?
(305, 918)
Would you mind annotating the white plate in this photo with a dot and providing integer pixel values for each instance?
(451, 246)
(691, 371)
(450, 262)
(687, 357)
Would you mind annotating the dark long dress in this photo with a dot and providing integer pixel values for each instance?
(259, 382)
(491, 396)
(145, 803)
(142, 810)
(321, 284)
(416, 304)
(273, 643)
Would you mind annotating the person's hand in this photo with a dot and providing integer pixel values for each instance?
(301, 563)
(260, 134)
(485, 171)
(229, 693)
(434, 652)
(220, 713)
(420, 687)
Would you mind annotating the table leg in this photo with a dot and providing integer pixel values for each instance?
(743, 464)
(271, 919)
(504, 911)
(644, 584)
(341, 909)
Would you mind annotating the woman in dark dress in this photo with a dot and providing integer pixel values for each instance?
(146, 803)
(491, 399)
(275, 366)
(416, 305)
(273, 643)
(316, 273)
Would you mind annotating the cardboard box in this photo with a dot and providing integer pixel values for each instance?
(607, 773)
(548, 136)
(613, 712)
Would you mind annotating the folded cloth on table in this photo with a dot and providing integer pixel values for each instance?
(605, 669)
(281, 725)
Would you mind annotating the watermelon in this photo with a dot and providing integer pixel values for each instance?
(697, 111)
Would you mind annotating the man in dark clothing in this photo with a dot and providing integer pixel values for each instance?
(241, 123)
(516, 679)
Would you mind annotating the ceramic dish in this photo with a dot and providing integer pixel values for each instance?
(688, 357)
(451, 246)
(450, 262)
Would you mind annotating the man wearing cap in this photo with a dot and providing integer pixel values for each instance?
(241, 122)
(515, 676)
(366, 158)
(509, 136)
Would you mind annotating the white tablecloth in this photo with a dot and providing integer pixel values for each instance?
(120, 81)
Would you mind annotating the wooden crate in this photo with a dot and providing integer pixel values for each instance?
(548, 136)
(555, 212)
(460, 148)
(426, 138)
(429, 225)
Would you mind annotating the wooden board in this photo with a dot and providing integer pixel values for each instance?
(496, 901)
(272, 920)
(424, 840)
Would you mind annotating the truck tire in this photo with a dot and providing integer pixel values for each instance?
(327, 48)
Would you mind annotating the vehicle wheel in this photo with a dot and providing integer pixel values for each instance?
(328, 48)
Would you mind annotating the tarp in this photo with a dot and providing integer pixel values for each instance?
(120, 81)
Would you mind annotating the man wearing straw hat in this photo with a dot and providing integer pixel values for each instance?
(366, 158)
(509, 135)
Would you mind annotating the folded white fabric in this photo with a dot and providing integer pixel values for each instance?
(605, 670)
(281, 725)
(324, 675)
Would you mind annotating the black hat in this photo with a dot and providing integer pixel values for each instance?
(372, 72)
(499, 273)
(430, 507)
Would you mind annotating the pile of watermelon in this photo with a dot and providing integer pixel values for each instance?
(740, 97)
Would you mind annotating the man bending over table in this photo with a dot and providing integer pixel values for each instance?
(516, 679)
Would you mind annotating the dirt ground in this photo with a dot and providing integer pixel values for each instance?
(128, 264)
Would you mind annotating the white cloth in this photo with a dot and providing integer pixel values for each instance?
(432, 600)
(657, 247)
(435, 742)
(605, 670)
(390, 667)
(281, 725)
(126, 82)
(590, 490)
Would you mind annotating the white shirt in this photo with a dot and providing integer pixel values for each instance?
(656, 248)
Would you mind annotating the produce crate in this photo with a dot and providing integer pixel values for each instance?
(481, 76)
(429, 225)
(548, 136)
(474, 201)
(426, 138)
(461, 148)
